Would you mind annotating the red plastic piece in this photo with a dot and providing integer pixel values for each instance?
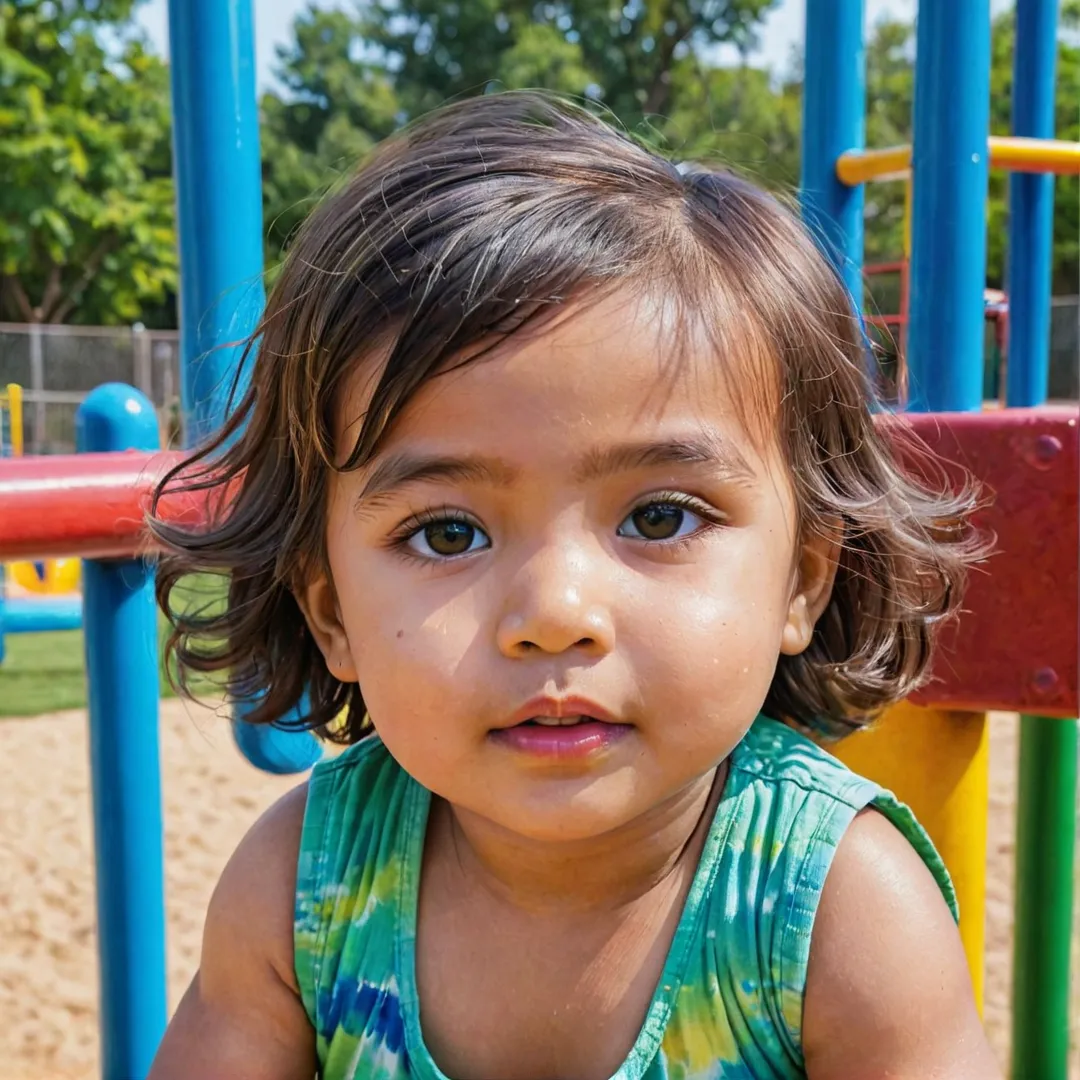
(1015, 647)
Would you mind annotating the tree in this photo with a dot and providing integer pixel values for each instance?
(352, 78)
(86, 207)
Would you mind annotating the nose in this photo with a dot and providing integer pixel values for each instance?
(558, 601)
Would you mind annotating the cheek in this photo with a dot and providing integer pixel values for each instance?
(413, 647)
(715, 641)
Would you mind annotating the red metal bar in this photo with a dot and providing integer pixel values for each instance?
(1015, 647)
(88, 505)
(895, 267)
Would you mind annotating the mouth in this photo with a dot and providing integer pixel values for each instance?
(563, 729)
(548, 711)
(561, 721)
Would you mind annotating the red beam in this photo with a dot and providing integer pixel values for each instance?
(870, 269)
(88, 505)
(1015, 647)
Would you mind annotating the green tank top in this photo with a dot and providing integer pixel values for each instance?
(729, 1003)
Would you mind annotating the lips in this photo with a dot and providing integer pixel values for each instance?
(561, 729)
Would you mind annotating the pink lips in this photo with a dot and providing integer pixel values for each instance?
(594, 733)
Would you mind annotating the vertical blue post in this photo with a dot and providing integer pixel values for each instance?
(834, 121)
(1031, 206)
(1046, 800)
(219, 198)
(220, 223)
(948, 228)
(120, 619)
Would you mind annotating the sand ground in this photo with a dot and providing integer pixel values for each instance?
(48, 974)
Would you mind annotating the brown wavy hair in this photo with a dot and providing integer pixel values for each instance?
(460, 230)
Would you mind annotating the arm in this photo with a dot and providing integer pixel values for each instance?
(888, 993)
(242, 1018)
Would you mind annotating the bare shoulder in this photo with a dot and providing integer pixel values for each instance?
(255, 897)
(888, 989)
(242, 1015)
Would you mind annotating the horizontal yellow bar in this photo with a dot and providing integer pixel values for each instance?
(1006, 152)
(1034, 155)
(861, 166)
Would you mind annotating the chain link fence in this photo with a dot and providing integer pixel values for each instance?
(57, 366)
(1065, 348)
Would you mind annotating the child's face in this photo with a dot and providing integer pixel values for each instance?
(587, 520)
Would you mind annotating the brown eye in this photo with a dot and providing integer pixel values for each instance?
(658, 521)
(661, 521)
(445, 539)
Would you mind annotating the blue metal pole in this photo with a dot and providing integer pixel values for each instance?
(219, 199)
(120, 619)
(1031, 206)
(834, 120)
(219, 214)
(948, 228)
(44, 614)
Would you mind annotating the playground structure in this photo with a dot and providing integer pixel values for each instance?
(894, 163)
(1015, 649)
(41, 595)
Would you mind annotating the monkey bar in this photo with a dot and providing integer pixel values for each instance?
(1011, 152)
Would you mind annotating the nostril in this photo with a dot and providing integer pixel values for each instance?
(585, 642)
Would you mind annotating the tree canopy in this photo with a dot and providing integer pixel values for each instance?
(86, 208)
(86, 203)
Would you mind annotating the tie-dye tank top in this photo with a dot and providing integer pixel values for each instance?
(730, 1000)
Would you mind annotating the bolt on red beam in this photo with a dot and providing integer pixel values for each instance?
(91, 506)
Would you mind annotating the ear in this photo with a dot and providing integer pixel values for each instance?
(812, 588)
(318, 602)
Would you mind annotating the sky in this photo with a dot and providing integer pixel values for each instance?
(781, 31)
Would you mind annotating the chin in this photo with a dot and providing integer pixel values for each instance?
(562, 817)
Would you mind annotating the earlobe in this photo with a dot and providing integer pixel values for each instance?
(813, 589)
(318, 602)
(798, 629)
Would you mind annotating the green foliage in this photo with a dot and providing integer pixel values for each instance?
(86, 206)
(352, 78)
(86, 203)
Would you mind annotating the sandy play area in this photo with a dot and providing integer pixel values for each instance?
(48, 979)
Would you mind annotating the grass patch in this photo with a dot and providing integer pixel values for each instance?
(46, 672)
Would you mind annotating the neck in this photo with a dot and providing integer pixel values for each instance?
(602, 873)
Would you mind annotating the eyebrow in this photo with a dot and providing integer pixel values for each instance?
(398, 470)
(707, 449)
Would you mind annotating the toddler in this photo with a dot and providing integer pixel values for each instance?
(556, 497)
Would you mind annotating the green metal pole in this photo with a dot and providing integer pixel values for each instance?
(1045, 853)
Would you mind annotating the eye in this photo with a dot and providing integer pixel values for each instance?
(446, 538)
(661, 521)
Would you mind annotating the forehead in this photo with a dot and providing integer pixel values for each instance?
(620, 366)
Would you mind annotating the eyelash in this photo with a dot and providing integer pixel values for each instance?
(712, 518)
